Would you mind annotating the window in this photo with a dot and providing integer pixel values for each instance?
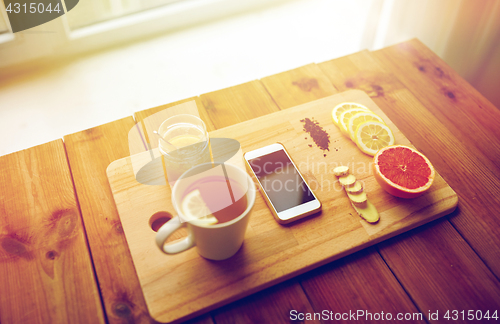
(95, 24)
(89, 12)
(4, 28)
(3, 25)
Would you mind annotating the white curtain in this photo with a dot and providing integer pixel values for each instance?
(464, 33)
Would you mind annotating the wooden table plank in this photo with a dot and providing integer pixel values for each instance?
(239, 103)
(46, 273)
(298, 86)
(89, 153)
(285, 93)
(442, 90)
(279, 304)
(440, 271)
(361, 281)
(361, 70)
(471, 160)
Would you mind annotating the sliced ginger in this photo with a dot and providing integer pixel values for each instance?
(357, 195)
(358, 199)
(368, 213)
(356, 188)
(347, 180)
(341, 171)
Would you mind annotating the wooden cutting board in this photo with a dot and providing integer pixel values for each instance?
(178, 287)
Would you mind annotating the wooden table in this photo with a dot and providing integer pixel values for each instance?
(64, 259)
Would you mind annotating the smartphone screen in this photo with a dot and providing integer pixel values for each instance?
(280, 180)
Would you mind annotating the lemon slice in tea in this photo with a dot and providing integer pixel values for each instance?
(371, 136)
(196, 211)
(341, 107)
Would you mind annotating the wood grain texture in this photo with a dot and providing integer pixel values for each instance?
(348, 276)
(443, 273)
(46, 273)
(278, 304)
(443, 91)
(298, 86)
(89, 153)
(466, 146)
(448, 155)
(361, 281)
(237, 104)
(271, 252)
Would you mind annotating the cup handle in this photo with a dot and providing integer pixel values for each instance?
(168, 229)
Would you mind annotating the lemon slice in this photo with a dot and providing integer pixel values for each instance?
(341, 107)
(344, 119)
(195, 210)
(359, 118)
(371, 136)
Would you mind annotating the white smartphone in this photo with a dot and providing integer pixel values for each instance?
(282, 186)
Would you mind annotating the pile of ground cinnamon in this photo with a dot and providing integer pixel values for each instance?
(318, 134)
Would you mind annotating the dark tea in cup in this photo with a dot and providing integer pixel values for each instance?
(213, 200)
(218, 199)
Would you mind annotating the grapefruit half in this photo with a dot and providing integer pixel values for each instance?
(403, 171)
